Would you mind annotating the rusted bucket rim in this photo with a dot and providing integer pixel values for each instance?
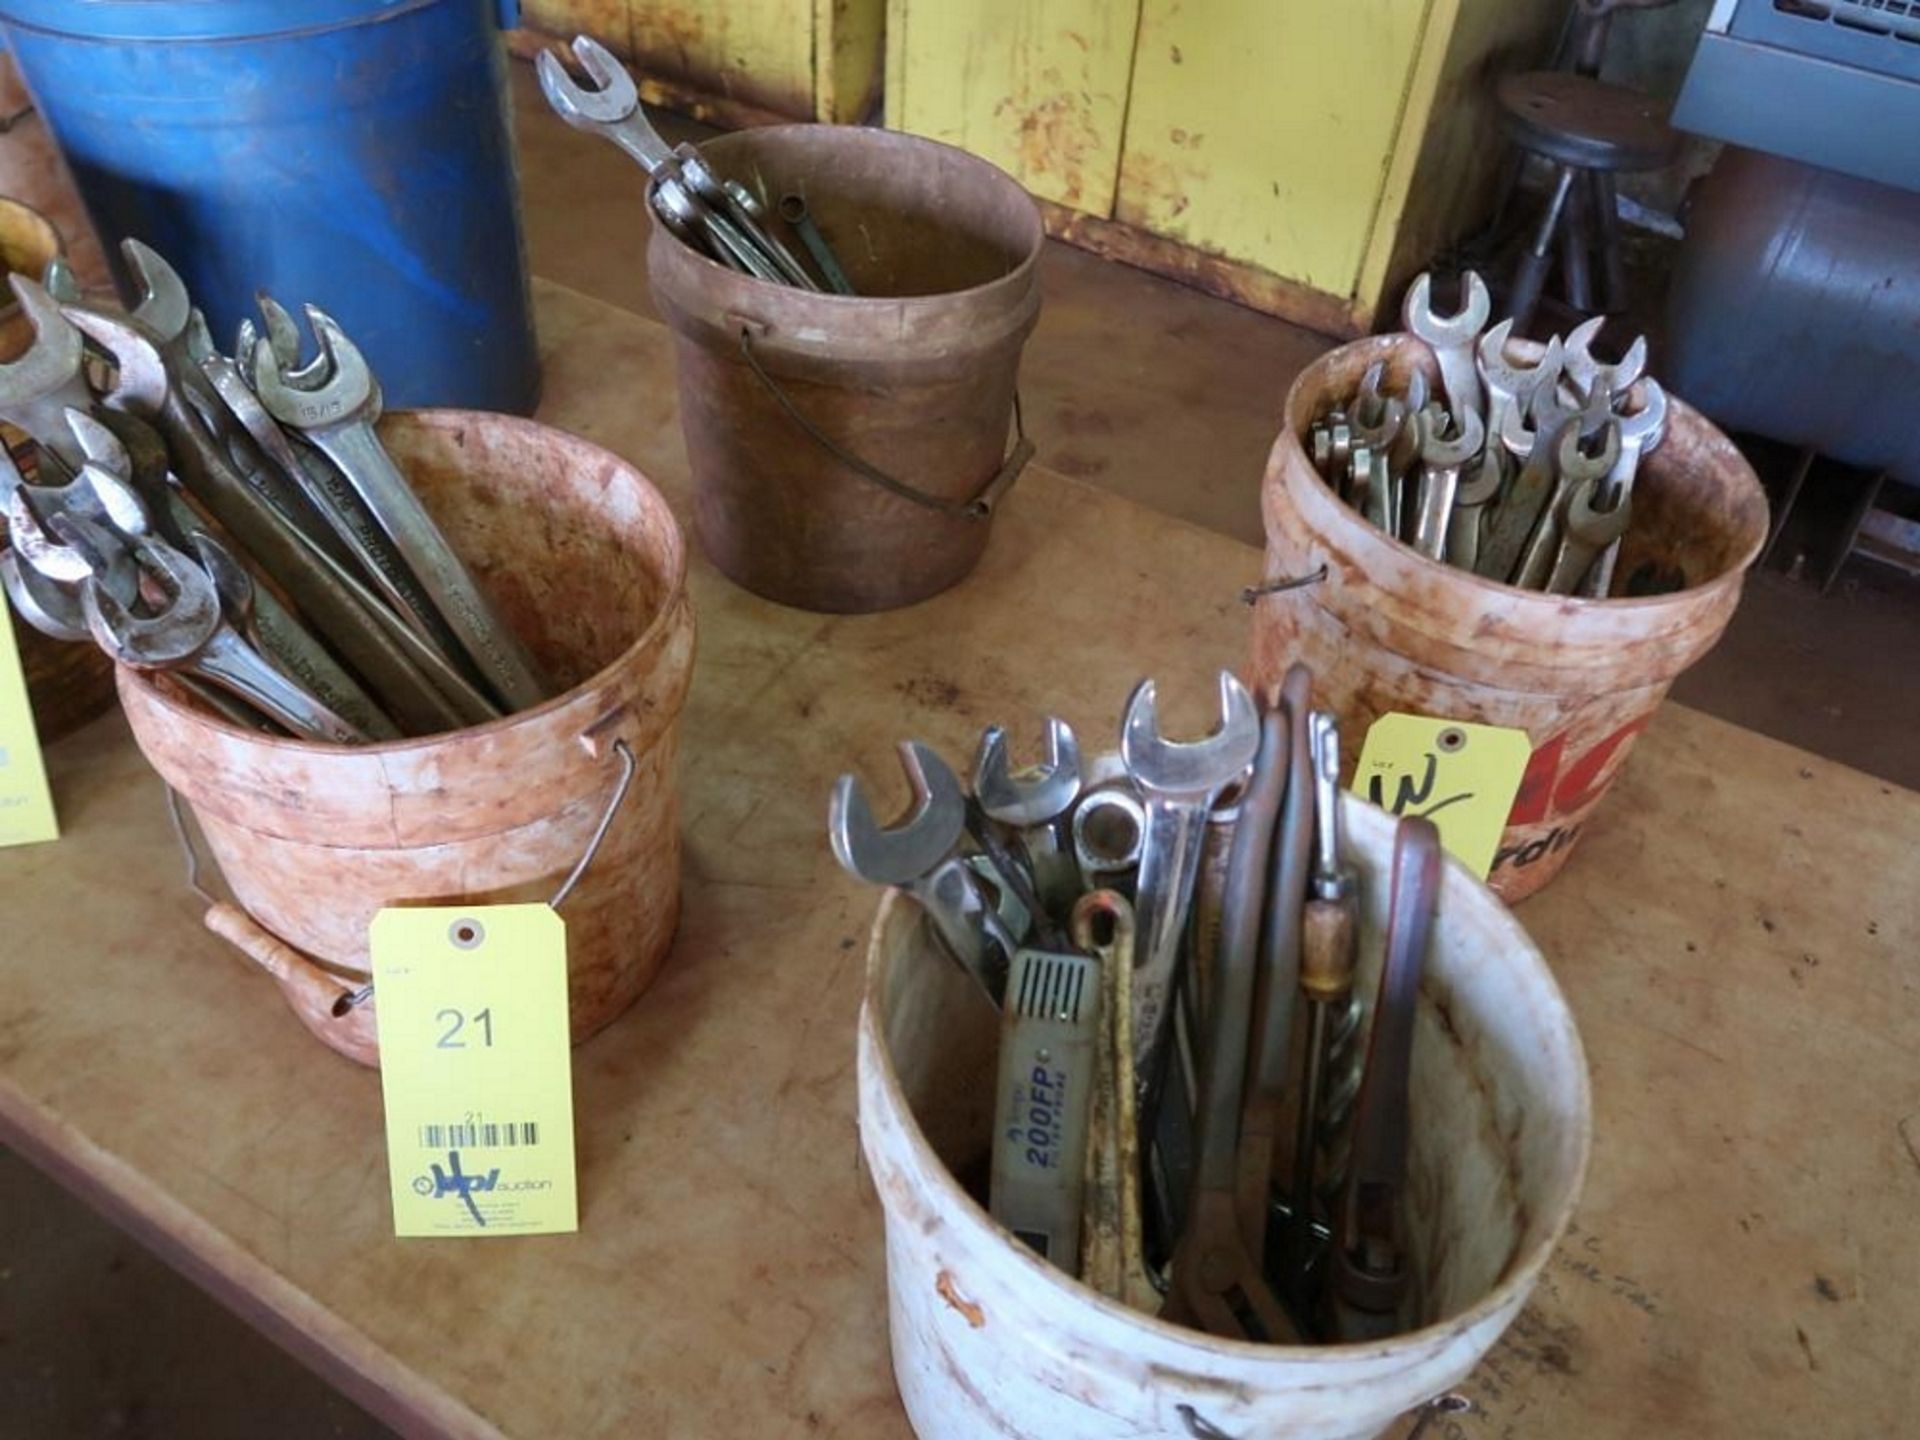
(1545, 604)
(1515, 1277)
(675, 592)
(834, 298)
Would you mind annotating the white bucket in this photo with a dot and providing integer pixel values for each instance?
(989, 1340)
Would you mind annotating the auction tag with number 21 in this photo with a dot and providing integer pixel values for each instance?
(476, 1067)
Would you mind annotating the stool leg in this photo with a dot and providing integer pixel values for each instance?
(1576, 247)
(1531, 273)
(1613, 267)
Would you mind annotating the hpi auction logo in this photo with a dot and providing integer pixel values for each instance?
(451, 1180)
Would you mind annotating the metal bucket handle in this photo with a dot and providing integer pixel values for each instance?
(979, 506)
(277, 956)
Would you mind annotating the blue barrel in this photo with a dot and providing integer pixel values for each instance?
(352, 153)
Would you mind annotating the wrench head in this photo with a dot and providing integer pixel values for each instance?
(1459, 443)
(36, 544)
(1031, 796)
(99, 444)
(164, 306)
(612, 98)
(1501, 372)
(1595, 527)
(198, 339)
(1645, 427)
(1190, 768)
(231, 580)
(54, 358)
(1574, 464)
(59, 281)
(1586, 372)
(170, 637)
(46, 605)
(1460, 328)
(345, 395)
(141, 385)
(911, 848)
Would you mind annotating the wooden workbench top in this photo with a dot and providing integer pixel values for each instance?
(1737, 937)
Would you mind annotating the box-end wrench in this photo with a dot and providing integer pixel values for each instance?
(1452, 337)
(919, 855)
(335, 418)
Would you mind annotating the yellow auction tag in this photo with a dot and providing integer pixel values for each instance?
(476, 1067)
(26, 805)
(1462, 777)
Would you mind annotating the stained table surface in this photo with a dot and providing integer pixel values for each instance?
(1737, 937)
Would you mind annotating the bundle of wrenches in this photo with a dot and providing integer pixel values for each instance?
(1519, 472)
(1146, 924)
(721, 218)
(236, 522)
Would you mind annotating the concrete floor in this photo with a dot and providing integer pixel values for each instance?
(1130, 382)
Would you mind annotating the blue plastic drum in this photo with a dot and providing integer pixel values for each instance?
(352, 153)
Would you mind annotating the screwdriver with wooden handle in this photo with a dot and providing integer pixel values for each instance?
(1327, 948)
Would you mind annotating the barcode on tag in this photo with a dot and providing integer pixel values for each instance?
(481, 1134)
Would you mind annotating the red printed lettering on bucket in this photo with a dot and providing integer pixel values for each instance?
(1547, 790)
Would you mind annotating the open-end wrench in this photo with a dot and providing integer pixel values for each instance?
(192, 634)
(919, 855)
(317, 588)
(1476, 492)
(335, 418)
(1509, 384)
(1452, 337)
(1370, 1277)
(1217, 1281)
(1588, 532)
(683, 186)
(1035, 801)
(38, 389)
(1180, 781)
(1441, 459)
(1520, 508)
(1590, 377)
(1574, 468)
(1641, 432)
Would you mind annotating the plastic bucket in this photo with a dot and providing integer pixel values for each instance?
(785, 393)
(988, 1339)
(588, 566)
(1389, 630)
(354, 153)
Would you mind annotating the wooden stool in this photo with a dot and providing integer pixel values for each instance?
(1589, 131)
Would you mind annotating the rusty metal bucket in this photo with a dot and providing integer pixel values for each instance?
(847, 451)
(1387, 629)
(588, 566)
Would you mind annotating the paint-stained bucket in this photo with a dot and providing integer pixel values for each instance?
(587, 565)
(990, 1340)
(1387, 630)
(847, 450)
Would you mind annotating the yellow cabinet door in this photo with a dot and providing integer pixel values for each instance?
(1039, 87)
(1263, 130)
